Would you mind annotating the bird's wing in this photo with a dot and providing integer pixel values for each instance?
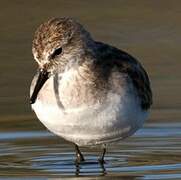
(130, 66)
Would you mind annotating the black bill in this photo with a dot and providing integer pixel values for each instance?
(43, 76)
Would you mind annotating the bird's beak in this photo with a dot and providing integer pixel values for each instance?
(43, 76)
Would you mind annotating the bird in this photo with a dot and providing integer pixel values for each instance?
(87, 92)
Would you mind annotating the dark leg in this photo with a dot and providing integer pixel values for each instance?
(101, 159)
(77, 172)
(79, 156)
(103, 169)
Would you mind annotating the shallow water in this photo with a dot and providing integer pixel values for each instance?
(150, 31)
(152, 153)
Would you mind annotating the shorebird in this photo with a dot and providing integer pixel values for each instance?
(87, 92)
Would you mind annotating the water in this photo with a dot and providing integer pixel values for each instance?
(153, 152)
(149, 30)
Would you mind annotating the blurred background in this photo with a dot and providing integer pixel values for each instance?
(149, 30)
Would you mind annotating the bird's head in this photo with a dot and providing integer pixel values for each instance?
(58, 44)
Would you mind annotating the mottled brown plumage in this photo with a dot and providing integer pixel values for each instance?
(58, 32)
(70, 35)
(86, 91)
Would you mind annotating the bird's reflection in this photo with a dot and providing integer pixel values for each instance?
(78, 168)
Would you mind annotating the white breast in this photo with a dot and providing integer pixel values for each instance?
(120, 116)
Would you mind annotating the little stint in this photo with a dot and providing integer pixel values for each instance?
(85, 91)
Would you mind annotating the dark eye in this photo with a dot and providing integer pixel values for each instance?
(56, 53)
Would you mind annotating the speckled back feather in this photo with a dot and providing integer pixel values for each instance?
(110, 57)
(67, 32)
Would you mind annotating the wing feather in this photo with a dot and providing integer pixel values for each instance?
(111, 56)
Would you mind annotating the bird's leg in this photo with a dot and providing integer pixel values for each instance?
(77, 172)
(79, 156)
(101, 159)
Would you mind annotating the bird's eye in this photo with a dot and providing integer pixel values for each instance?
(56, 52)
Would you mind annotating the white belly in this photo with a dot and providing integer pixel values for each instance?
(118, 118)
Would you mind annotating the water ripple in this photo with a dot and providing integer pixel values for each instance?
(152, 153)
